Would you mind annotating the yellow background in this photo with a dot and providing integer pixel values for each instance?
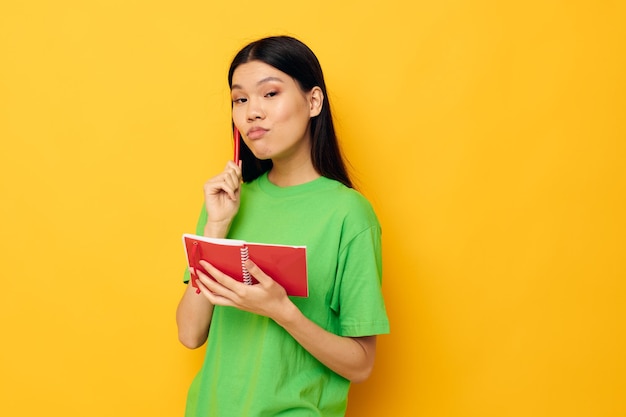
(489, 136)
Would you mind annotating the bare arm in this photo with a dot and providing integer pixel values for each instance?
(350, 357)
(194, 312)
(193, 318)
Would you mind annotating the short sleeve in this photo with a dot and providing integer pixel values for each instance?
(358, 297)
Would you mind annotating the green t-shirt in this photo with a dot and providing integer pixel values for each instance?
(253, 367)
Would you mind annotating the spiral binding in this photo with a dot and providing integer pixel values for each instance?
(247, 279)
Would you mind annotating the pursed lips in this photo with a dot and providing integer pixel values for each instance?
(256, 133)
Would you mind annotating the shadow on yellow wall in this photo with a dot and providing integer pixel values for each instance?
(489, 137)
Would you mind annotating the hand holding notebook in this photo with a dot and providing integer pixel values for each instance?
(285, 264)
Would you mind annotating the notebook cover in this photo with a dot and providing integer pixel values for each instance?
(285, 264)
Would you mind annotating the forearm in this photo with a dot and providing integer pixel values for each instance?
(193, 318)
(194, 312)
(352, 358)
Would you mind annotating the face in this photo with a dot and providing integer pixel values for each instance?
(272, 112)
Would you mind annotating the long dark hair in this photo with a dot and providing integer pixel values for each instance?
(295, 59)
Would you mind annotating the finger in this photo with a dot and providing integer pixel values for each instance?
(193, 281)
(220, 184)
(236, 167)
(210, 284)
(214, 298)
(232, 183)
(257, 272)
(222, 283)
(232, 178)
(233, 174)
(216, 293)
(233, 171)
(228, 181)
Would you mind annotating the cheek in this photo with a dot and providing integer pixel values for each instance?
(282, 111)
(291, 111)
(239, 118)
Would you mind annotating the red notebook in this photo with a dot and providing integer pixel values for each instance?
(285, 264)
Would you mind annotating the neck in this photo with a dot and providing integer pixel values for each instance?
(292, 173)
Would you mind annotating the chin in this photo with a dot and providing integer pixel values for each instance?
(262, 155)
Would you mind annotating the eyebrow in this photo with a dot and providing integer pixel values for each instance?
(263, 81)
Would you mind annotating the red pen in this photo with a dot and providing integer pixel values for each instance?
(237, 140)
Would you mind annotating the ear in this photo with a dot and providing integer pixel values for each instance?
(316, 101)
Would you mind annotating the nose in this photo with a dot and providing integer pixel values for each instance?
(254, 110)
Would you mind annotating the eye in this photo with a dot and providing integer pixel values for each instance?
(271, 94)
(239, 100)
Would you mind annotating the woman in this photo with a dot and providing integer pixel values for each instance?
(269, 354)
